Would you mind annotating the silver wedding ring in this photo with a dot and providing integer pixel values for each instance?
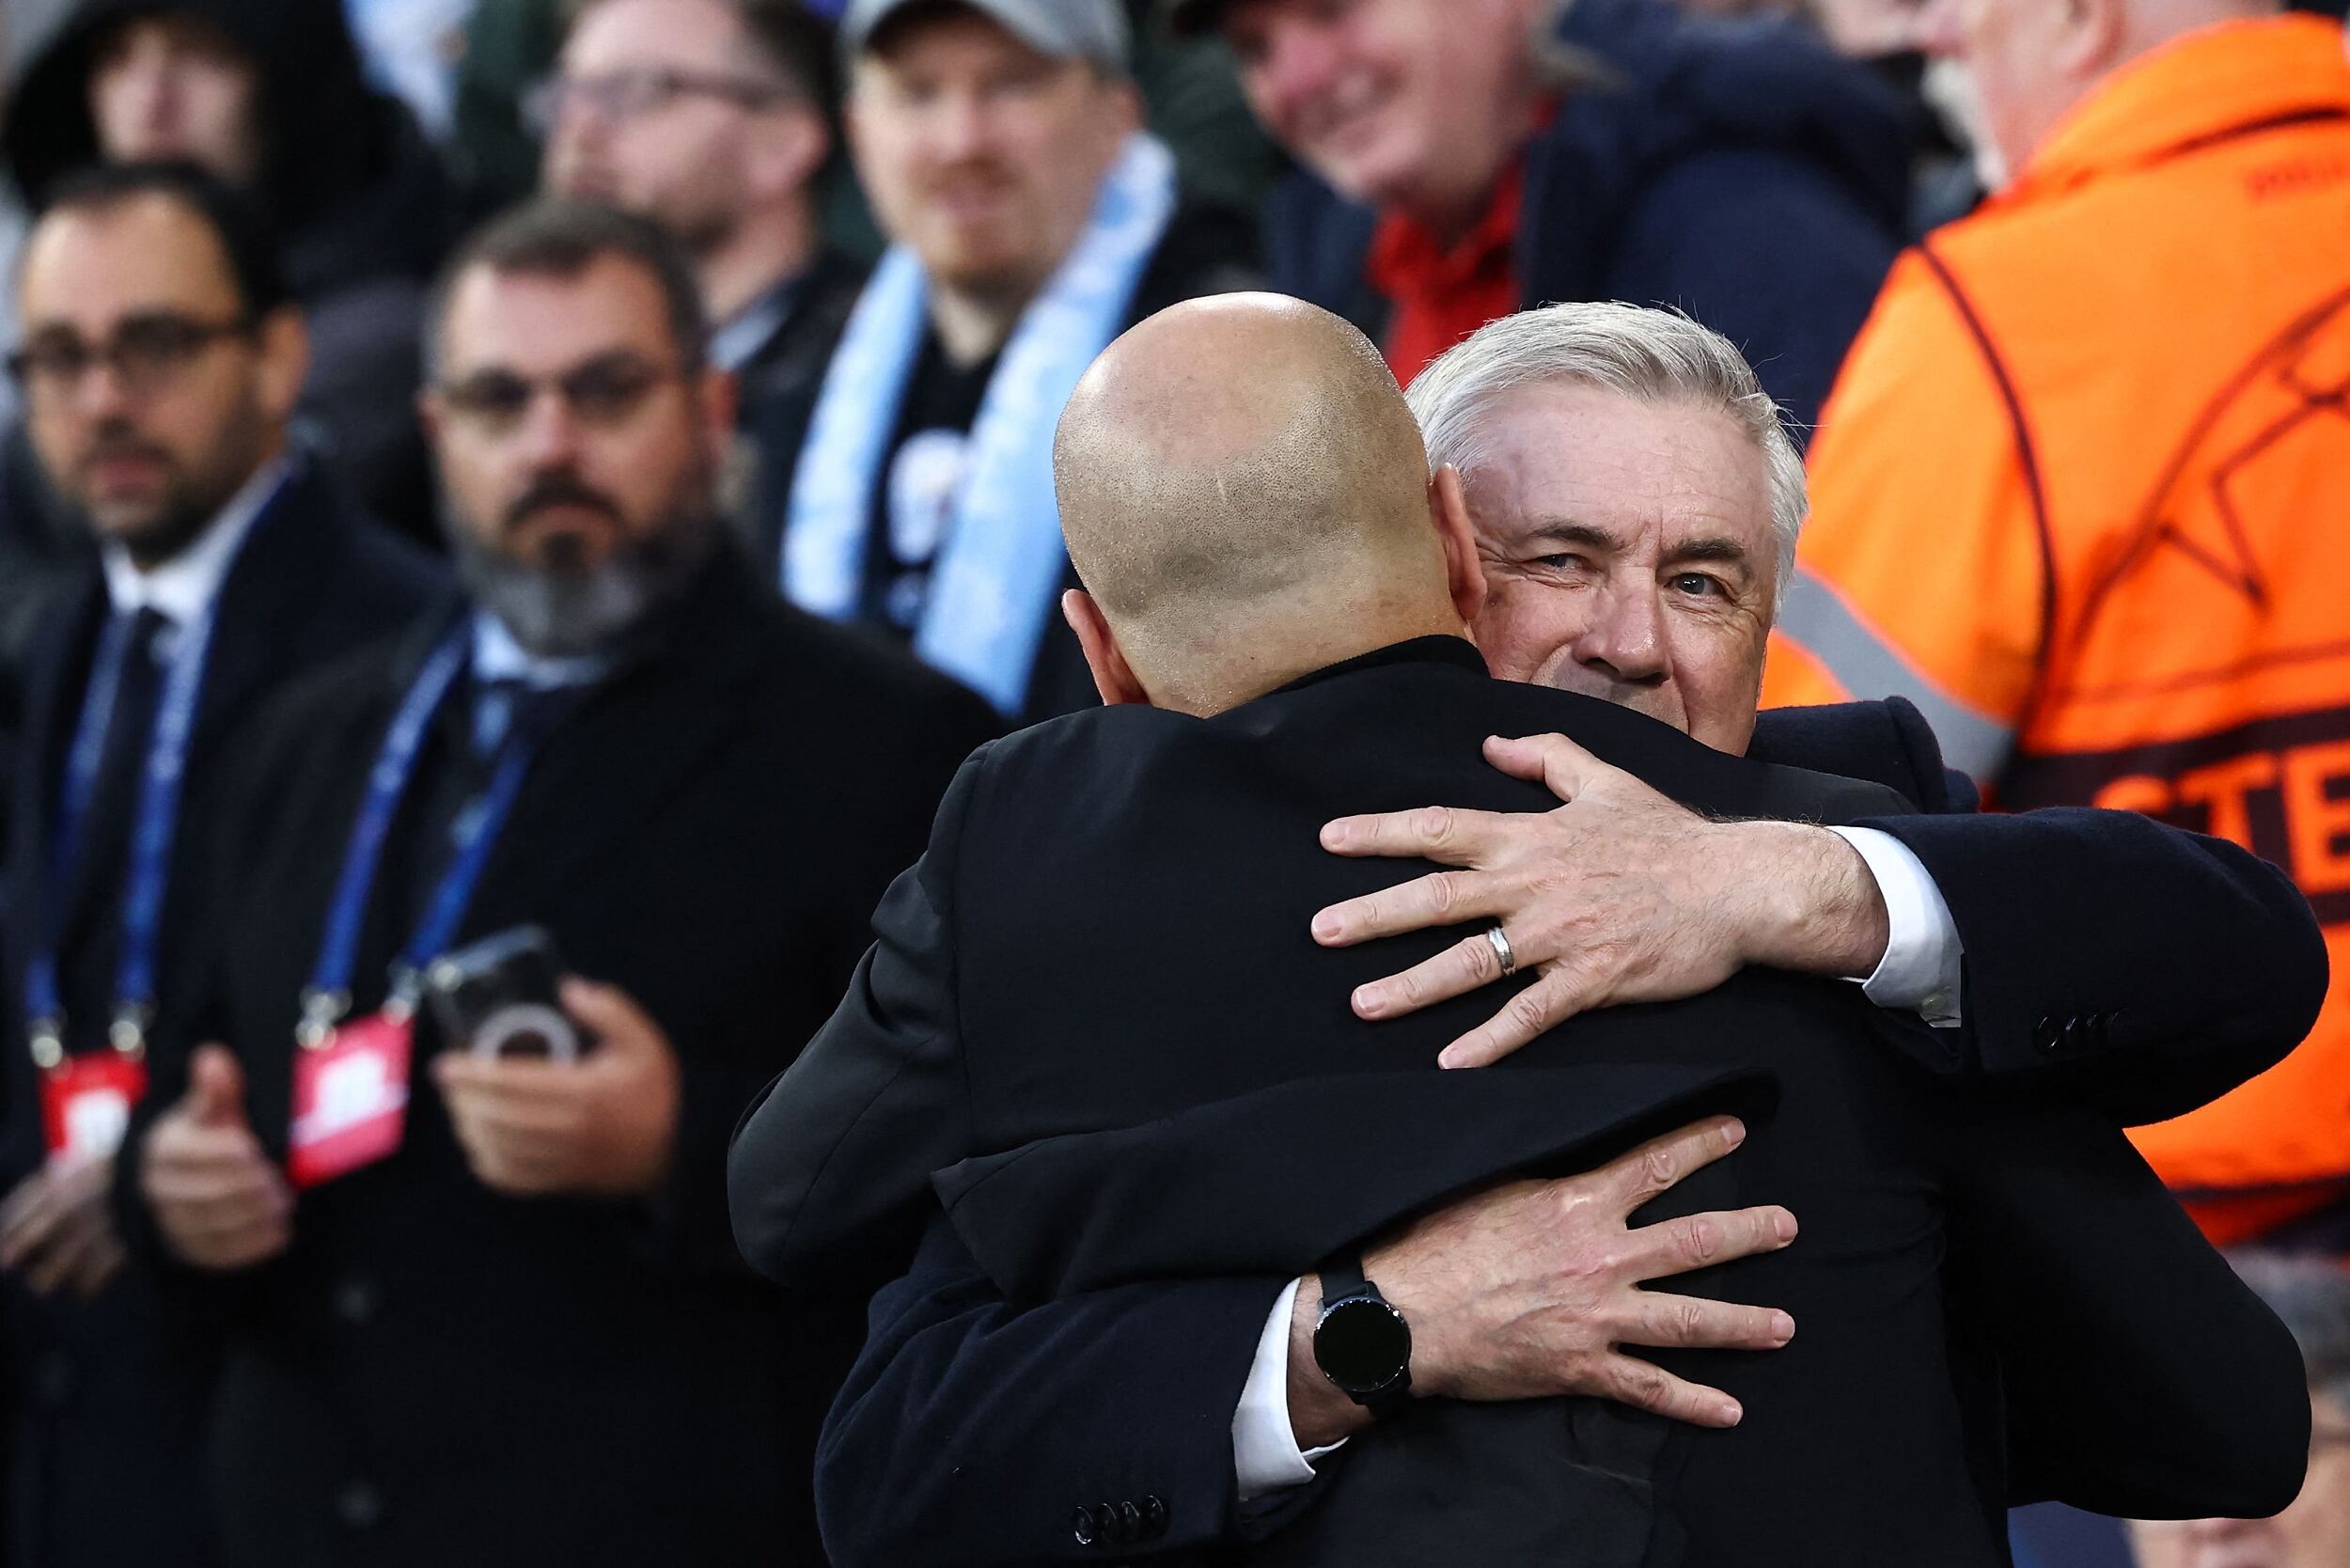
(1501, 948)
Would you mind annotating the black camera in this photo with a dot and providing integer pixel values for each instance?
(498, 997)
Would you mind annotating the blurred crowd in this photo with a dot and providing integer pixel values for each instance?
(585, 464)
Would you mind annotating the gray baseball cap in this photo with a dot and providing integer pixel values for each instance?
(1094, 30)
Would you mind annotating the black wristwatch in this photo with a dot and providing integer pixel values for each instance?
(1361, 1342)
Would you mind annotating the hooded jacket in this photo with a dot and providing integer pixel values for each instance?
(358, 196)
(1736, 170)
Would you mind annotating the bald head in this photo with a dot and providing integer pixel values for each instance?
(1242, 487)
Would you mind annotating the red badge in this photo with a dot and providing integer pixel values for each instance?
(350, 1099)
(86, 1102)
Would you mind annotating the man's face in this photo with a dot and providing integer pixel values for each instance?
(577, 457)
(1628, 555)
(148, 398)
(2012, 53)
(177, 87)
(981, 153)
(2314, 1532)
(661, 110)
(1386, 99)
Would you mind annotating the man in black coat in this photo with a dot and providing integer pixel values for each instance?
(160, 361)
(1008, 1004)
(513, 1329)
(1031, 221)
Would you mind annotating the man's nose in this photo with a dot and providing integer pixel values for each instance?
(1625, 641)
(961, 129)
(548, 434)
(100, 395)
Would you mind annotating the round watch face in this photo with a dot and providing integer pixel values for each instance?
(1362, 1345)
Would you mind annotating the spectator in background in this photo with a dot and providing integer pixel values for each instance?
(2075, 494)
(161, 361)
(509, 51)
(1032, 223)
(269, 95)
(2312, 1296)
(514, 1331)
(1469, 157)
(710, 117)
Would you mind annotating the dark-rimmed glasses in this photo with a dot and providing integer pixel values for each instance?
(144, 354)
(626, 94)
(604, 392)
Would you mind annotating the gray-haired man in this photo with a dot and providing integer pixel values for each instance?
(1635, 503)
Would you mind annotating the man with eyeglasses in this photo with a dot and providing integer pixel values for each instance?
(709, 117)
(496, 1316)
(1031, 220)
(160, 362)
(271, 96)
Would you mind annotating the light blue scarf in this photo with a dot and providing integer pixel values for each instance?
(999, 571)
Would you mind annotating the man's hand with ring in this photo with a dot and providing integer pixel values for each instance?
(1620, 894)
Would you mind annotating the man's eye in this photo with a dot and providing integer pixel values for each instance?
(1698, 585)
(1567, 562)
(492, 397)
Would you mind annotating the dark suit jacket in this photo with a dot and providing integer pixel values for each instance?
(102, 1415)
(1105, 895)
(437, 1373)
(1127, 1393)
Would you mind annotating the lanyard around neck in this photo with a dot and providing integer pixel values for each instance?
(155, 827)
(327, 996)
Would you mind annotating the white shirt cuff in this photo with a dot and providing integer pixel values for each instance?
(1265, 1455)
(1920, 971)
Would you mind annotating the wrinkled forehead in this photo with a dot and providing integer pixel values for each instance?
(1654, 474)
(92, 266)
(616, 34)
(535, 323)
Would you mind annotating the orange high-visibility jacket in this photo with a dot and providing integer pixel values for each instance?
(2083, 492)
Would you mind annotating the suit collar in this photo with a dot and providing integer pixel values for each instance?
(183, 587)
(1439, 650)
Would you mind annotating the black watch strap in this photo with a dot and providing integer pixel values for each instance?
(1343, 1277)
(1361, 1342)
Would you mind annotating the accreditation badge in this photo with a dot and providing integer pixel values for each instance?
(350, 1098)
(86, 1105)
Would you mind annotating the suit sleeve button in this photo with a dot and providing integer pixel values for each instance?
(1154, 1515)
(1129, 1522)
(2046, 1035)
(1087, 1529)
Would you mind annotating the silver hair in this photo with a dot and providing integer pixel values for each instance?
(1657, 356)
(2312, 1296)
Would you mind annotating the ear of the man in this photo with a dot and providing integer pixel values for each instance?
(718, 395)
(2094, 32)
(284, 343)
(791, 153)
(1112, 676)
(1464, 574)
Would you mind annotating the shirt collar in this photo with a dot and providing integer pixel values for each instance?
(1407, 258)
(736, 341)
(496, 656)
(183, 587)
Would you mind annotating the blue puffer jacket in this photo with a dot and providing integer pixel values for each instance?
(1737, 171)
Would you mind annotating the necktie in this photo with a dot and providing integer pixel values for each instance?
(95, 880)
